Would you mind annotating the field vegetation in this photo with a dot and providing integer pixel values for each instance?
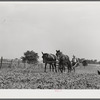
(32, 76)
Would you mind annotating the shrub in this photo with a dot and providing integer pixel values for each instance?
(30, 57)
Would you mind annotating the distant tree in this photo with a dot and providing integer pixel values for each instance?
(98, 62)
(88, 61)
(30, 57)
(95, 61)
(84, 62)
(23, 59)
(79, 60)
(92, 61)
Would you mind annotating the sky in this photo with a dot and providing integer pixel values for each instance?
(71, 27)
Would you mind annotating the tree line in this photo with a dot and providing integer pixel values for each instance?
(32, 57)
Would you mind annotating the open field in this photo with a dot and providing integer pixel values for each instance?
(33, 77)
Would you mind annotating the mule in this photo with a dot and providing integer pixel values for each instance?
(64, 61)
(49, 59)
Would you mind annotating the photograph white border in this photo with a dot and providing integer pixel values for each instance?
(51, 94)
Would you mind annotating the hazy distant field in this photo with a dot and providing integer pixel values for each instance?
(33, 77)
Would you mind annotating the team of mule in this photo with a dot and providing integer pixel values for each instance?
(61, 60)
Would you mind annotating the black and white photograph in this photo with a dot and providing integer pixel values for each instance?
(50, 45)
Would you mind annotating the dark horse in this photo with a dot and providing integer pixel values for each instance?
(49, 59)
(63, 61)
